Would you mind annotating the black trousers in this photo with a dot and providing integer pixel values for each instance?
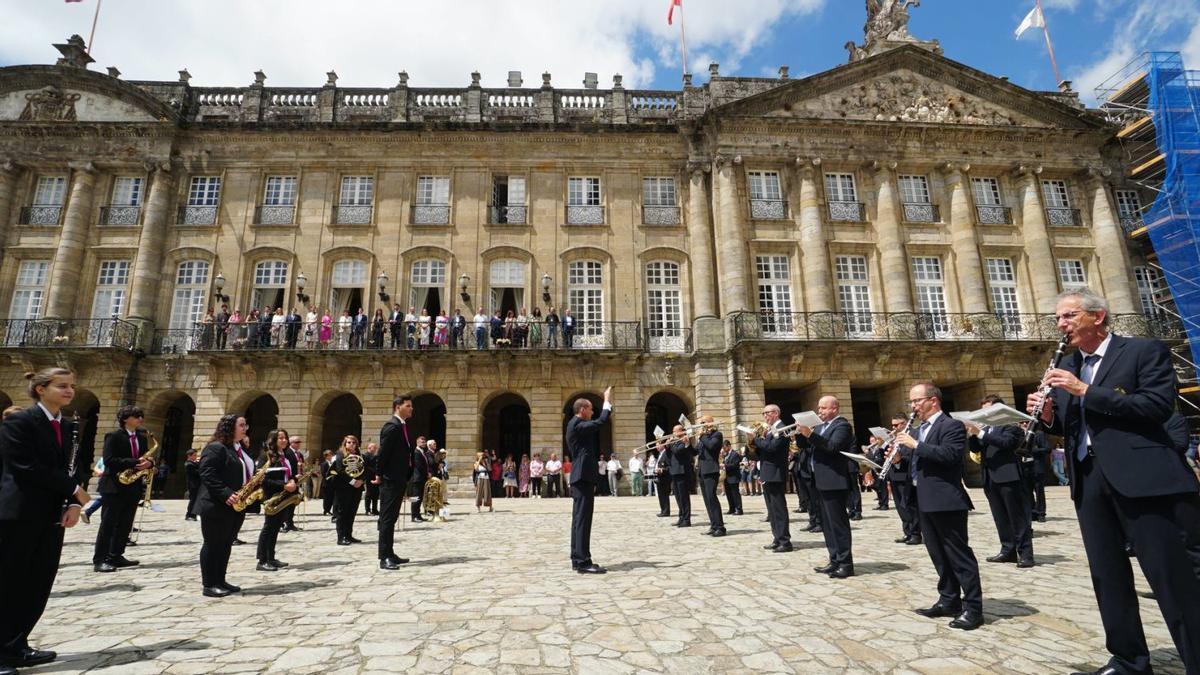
(802, 497)
(289, 516)
(583, 498)
(836, 525)
(1012, 512)
(219, 528)
(327, 495)
(708, 490)
(881, 491)
(815, 509)
(664, 493)
(734, 496)
(268, 536)
(371, 499)
(945, 534)
(553, 483)
(193, 492)
(1160, 544)
(854, 494)
(117, 513)
(535, 486)
(777, 513)
(906, 506)
(346, 503)
(683, 499)
(391, 497)
(1037, 480)
(29, 555)
(416, 491)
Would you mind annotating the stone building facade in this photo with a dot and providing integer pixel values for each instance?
(748, 240)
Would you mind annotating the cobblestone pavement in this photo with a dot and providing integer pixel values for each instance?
(494, 593)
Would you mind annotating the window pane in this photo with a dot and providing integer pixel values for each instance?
(658, 191)
(986, 191)
(357, 191)
(271, 273)
(204, 191)
(1071, 274)
(914, 190)
(127, 191)
(583, 191)
(192, 272)
(765, 185)
(50, 191)
(1056, 195)
(839, 187)
(280, 191)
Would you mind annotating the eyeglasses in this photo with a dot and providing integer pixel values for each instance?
(914, 401)
(1067, 316)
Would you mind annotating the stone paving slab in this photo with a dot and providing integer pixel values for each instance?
(494, 593)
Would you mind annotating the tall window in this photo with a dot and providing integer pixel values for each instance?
(1149, 285)
(127, 191)
(270, 280)
(839, 187)
(664, 313)
(204, 191)
(427, 279)
(914, 190)
(774, 274)
(583, 191)
(348, 286)
(109, 301)
(1129, 209)
(986, 191)
(508, 200)
(1056, 194)
(1002, 284)
(1071, 274)
(27, 298)
(506, 278)
(931, 293)
(280, 191)
(658, 191)
(854, 293)
(433, 190)
(357, 191)
(585, 296)
(50, 191)
(191, 289)
(765, 185)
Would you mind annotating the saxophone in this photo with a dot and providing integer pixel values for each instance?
(131, 476)
(284, 499)
(251, 492)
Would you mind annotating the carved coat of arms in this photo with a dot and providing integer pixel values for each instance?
(49, 105)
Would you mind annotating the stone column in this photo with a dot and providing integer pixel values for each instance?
(147, 269)
(68, 258)
(9, 174)
(1111, 252)
(962, 237)
(706, 325)
(889, 238)
(1037, 241)
(731, 261)
(818, 283)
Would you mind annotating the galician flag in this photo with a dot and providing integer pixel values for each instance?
(1034, 19)
(671, 10)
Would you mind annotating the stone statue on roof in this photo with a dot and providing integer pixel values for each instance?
(887, 28)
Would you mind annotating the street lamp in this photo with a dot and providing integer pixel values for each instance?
(218, 284)
(301, 282)
(463, 282)
(546, 283)
(382, 280)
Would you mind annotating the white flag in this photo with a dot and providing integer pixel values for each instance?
(1034, 19)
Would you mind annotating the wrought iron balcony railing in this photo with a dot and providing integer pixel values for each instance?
(920, 326)
(197, 215)
(768, 209)
(120, 216)
(509, 215)
(1063, 217)
(921, 213)
(431, 214)
(68, 333)
(352, 214)
(994, 215)
(847, 212)
(41, 215)
(669, 339)
(1132, 224)
(585, 215)
(275, 214)
(660, 215)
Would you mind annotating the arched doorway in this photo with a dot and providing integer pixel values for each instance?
(262, 415)
(606, 445)
(175, 441)
(343, 417)
(663, 410)
(429, 418)
(87, 406)
(506, 426)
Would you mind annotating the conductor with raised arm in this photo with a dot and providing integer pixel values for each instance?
(583, 442)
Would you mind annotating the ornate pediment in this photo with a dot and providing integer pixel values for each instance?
(49, 105)
(74, 95)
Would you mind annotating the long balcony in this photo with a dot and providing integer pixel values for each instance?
(988, 214)
(196, 215)
(67, 333)
(921, 326)
(1063, 217)
(40, 215)
(921, 213)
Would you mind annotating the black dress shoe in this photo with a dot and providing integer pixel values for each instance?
(664, 514)
(343, 542)
(842, 572)
(266, 567)
(719, 532)
(901, 540)
(1025, 563)
(26, 658)
(230, 587)
(783, 548)
(398, 560)
(238, 542)
(278, 563)
(104, 567)
(939, 610)
(387, 564)
(189, 517)
(121, 561)
(591, 569)
(686, 523)
(1106, 670)
(825, 569)
(1040, 519)
(215, 592)
(914, 541)
(355, 541)
(857, 516)
(968, 620)
(7, 670)
(739, 513)
(771, 546)
(1003, 558)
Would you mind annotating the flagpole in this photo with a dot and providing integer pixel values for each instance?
(1049, 45)
(683, 39)
(95, 18)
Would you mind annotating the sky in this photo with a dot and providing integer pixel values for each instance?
(440, 42)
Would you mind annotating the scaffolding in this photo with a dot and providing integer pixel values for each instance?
(1156, 102)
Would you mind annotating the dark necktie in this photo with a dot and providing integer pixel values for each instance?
(1086, 374)
(57, 430)
(133, 446)
(919, 434)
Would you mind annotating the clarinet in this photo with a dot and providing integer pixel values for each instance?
(1044, 390)
(74, 456)
(890, 460)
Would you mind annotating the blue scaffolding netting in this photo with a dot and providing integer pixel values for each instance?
(1171, 221)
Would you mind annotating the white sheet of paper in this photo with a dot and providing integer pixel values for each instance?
(879, 432)
(807, 419)
(995, 415)
(684, 420)
(658, 431)
(862, 459)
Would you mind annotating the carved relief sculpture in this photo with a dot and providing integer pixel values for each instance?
(49, 105)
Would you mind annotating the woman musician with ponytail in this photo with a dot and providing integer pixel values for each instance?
(38, 499)
(278, 479)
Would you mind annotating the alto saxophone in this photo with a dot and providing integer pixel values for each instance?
(131, 476)
(251, 492)
(284, 499)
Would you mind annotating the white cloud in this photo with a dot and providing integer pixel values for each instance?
(222, 42)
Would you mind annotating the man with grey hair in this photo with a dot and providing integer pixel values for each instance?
(772, 455)
(1110, 400)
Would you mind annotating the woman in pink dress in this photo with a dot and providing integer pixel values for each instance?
(441, 331)
(326, 328)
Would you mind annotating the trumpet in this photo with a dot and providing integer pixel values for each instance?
(664, 439)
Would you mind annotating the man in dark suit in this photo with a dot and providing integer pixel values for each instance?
(1110, 401)
(1004, 487)
(772, 456)
(420, 474)
(831, 472)
(903, 490)
(583, 443)
(222, 327)
(935, 452)
(458, 326)
(683, 458)
(396, 326)
(394, 464)
(326, 488)
(662, 480)
(291, 326)
(293, 455)
(358, 329)
(568, 329)
(708, 447)
(264, 328)
(733, 476)
(124, 449)
(191, 468)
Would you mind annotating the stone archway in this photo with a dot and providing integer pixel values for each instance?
(606, 442)
(262, 414)
(429, 418)
(171, 418)
(663, 410)
(87, 406)
(342, 417)
(506, 426)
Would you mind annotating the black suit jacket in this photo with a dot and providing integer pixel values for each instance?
(733, 466)
(274, 479)
(395, 452)
(772, 457)
(118, 456)
(939, 466)
(340, 480)
(1177, 429)
(831, 470)
(998, 459)
(221, 474)
(34, 484)
(683, 458)
(709, 449)
(1131, 397)
(420, 469)
(583, 442)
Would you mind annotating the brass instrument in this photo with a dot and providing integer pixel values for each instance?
(251, 492)
(433, 498)
(284, 499)
(353, 465)
(756, 428)
(131, 476)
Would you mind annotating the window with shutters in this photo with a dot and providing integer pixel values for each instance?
(854, 294)
(774, 275)
(931, 292)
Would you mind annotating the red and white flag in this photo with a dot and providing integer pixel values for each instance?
(670, 11)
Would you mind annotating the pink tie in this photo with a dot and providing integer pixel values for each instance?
(133, 445)
(58, 430)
